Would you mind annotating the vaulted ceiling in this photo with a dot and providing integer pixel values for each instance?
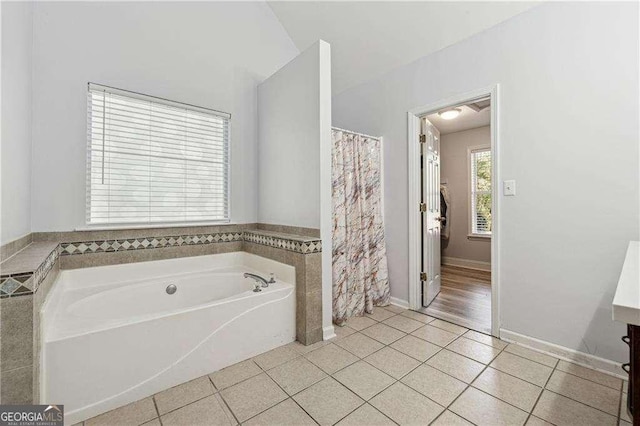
(369, 39)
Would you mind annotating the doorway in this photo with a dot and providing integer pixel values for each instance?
(454, 211)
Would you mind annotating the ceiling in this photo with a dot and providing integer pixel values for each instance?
(469, 118)
(369, 39)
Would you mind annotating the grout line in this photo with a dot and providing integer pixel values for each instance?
(555, 368)
(468, 385)
(396, 381)
(557, 363)
(580, 402)
(155, 404)
(327, 375)
(302, 408)
(177, 408)
(375, 395)
(620, 405)
(215, 388)
(390, 419)
(583, 378)
(221, 400)
(288, 396)
(225, 403)
(566, 372)
(257, 414)
(352, 411)
(241, 381)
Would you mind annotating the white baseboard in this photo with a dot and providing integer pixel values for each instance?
(466, 263)
(399, 302)
(577, 357)
(328, 332)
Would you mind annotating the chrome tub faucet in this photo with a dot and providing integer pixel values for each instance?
(258, 279)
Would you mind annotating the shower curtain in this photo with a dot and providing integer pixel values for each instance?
(360, 278)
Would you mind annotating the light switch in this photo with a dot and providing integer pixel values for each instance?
(509, 188)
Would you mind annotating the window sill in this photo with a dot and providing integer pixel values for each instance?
(479, 236)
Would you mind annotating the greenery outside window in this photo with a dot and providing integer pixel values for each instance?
(480, 196)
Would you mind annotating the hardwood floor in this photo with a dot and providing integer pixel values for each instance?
(464, 298)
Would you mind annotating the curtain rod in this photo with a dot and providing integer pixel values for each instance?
(356, 133)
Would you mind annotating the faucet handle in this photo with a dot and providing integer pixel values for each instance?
(256, 287)
(272, 278)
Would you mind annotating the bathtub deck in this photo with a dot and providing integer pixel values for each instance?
(392, 367)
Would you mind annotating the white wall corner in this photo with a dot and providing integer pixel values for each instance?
(326, 209)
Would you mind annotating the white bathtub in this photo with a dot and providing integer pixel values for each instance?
(111, 335)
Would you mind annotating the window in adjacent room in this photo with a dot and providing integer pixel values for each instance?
(480, 197)
(155, 161)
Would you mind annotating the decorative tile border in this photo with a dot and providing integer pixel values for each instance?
(305, 246)
(25, 283)
(41, 273)
(145, 243)
(16, 285)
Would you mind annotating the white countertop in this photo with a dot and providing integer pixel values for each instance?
(626, 302)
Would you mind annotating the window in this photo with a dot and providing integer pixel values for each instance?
(480, 160)
(155, 161)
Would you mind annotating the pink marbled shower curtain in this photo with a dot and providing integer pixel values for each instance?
(360, 277)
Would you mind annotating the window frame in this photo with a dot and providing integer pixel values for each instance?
(165, 223)
(472, 191)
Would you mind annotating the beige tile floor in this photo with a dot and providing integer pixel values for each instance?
(391, 367)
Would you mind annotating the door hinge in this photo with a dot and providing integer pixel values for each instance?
(423, 138)
(423, 207)
(423, 276)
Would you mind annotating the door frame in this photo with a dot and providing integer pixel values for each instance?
(413, 130)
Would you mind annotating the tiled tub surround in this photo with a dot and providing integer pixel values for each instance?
(137, 249)
(126, 246)
(283, 229)
(308, 288)
(138, 340)
(394, 367)
(11, 248)
(29, 268)
(33, 265)
(35, 269)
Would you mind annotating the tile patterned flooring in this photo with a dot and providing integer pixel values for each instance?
(392, 367)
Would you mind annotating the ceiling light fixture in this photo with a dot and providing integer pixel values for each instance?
(450, 113)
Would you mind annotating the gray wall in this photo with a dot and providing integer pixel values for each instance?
(17, 26)
(212, 54)
(294, 134)
(289, 143)
(454, 167)
(568, 75)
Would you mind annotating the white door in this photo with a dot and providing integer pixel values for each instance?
(430, 207)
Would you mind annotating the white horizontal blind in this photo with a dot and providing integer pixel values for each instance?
(152, 161)
(481, 191)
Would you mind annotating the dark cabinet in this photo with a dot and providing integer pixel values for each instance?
(633, 370)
